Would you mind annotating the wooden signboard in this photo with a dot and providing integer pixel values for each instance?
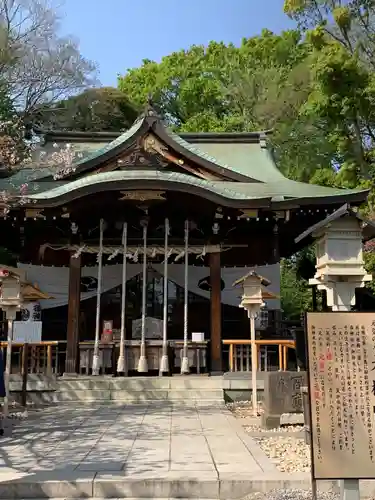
(107, 333)
(341, 359)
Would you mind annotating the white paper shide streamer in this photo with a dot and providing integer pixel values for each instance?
(164, 365)
(96, 357)
(185, 359)
(121, 362)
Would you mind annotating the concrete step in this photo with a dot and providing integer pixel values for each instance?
(140, 383)
(35, 382)
(131, 396)
(180, 484)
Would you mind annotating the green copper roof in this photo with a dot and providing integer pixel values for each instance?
(209, 153)
(242, 158)
(248, 159)
(113, 144)
(275, 191)
(226, 189)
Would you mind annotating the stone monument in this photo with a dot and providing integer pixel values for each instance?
(282, 394)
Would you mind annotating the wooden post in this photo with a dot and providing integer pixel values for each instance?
(24, 372)
(215, 281)
(49, 361)
(280, 358)
(285, 359)
(231, 357)
(71, 362)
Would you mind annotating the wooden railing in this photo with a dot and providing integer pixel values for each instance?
(240, 354)
(40, 358)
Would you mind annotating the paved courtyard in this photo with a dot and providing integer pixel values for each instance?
(154, 438)
(157, 450)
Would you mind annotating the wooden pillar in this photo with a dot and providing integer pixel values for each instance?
(216, 341)
(71, 362)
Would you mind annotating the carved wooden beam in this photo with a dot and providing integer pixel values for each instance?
(33, 213)
(143, 196)
(151, 144)
(249, 214)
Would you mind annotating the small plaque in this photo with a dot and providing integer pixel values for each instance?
(197, 336)
(27, 332)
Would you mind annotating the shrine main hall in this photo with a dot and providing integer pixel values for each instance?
(139, 240)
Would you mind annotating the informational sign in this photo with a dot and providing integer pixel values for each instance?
(197, 336)
(341, 359)
(153, 328)
(107, 333)
(27, 332)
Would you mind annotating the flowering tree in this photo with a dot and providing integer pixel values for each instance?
(17, 153)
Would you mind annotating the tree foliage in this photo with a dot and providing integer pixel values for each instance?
(37, 67)
(37, 63)
(313, 86)
(98, 109)
(263, 84)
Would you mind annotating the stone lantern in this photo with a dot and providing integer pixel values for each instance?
(254, 293)
(10, 293)
(10, 303)
(339, 257)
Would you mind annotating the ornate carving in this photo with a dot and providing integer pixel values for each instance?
(152, 145)
(249, 213)
(139, 156)
(31, 213)
(142, 195)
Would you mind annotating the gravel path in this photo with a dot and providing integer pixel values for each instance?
(291, 495)
(287, 453)
(243, 409)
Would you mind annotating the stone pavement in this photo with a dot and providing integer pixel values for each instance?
(156, 450)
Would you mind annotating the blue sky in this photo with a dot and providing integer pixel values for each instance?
(120, 33)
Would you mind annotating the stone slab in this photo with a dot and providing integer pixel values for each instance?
(282, 394)
(161, 449)
(242, 384)
(47, 484)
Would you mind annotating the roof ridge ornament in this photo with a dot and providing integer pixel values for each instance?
(150, 109)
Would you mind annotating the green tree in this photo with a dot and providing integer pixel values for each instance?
(99, 109)
(262, 84)
(341, 35)
(37, 63)
(296, 295)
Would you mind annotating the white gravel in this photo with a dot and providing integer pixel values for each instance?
(285, 429)
(287, 453)
(244, 409)
(291, 495)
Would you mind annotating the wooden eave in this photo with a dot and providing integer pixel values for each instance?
(152, 185)
(253, 274)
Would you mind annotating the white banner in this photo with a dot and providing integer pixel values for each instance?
(55, 281)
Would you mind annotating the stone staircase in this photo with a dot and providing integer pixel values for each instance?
(183, 389)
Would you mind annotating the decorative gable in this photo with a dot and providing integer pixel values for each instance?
(148, 152)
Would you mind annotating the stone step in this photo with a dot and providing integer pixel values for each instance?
(35, 382)
(131, 396)
(180, 484)
(140, 383)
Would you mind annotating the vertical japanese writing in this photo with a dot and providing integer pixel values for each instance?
(347, 390)
(342, 389)
(366, 378)
(317, 389)
(329, 335)
(341, 392)
(353, 396)
(370, 414)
